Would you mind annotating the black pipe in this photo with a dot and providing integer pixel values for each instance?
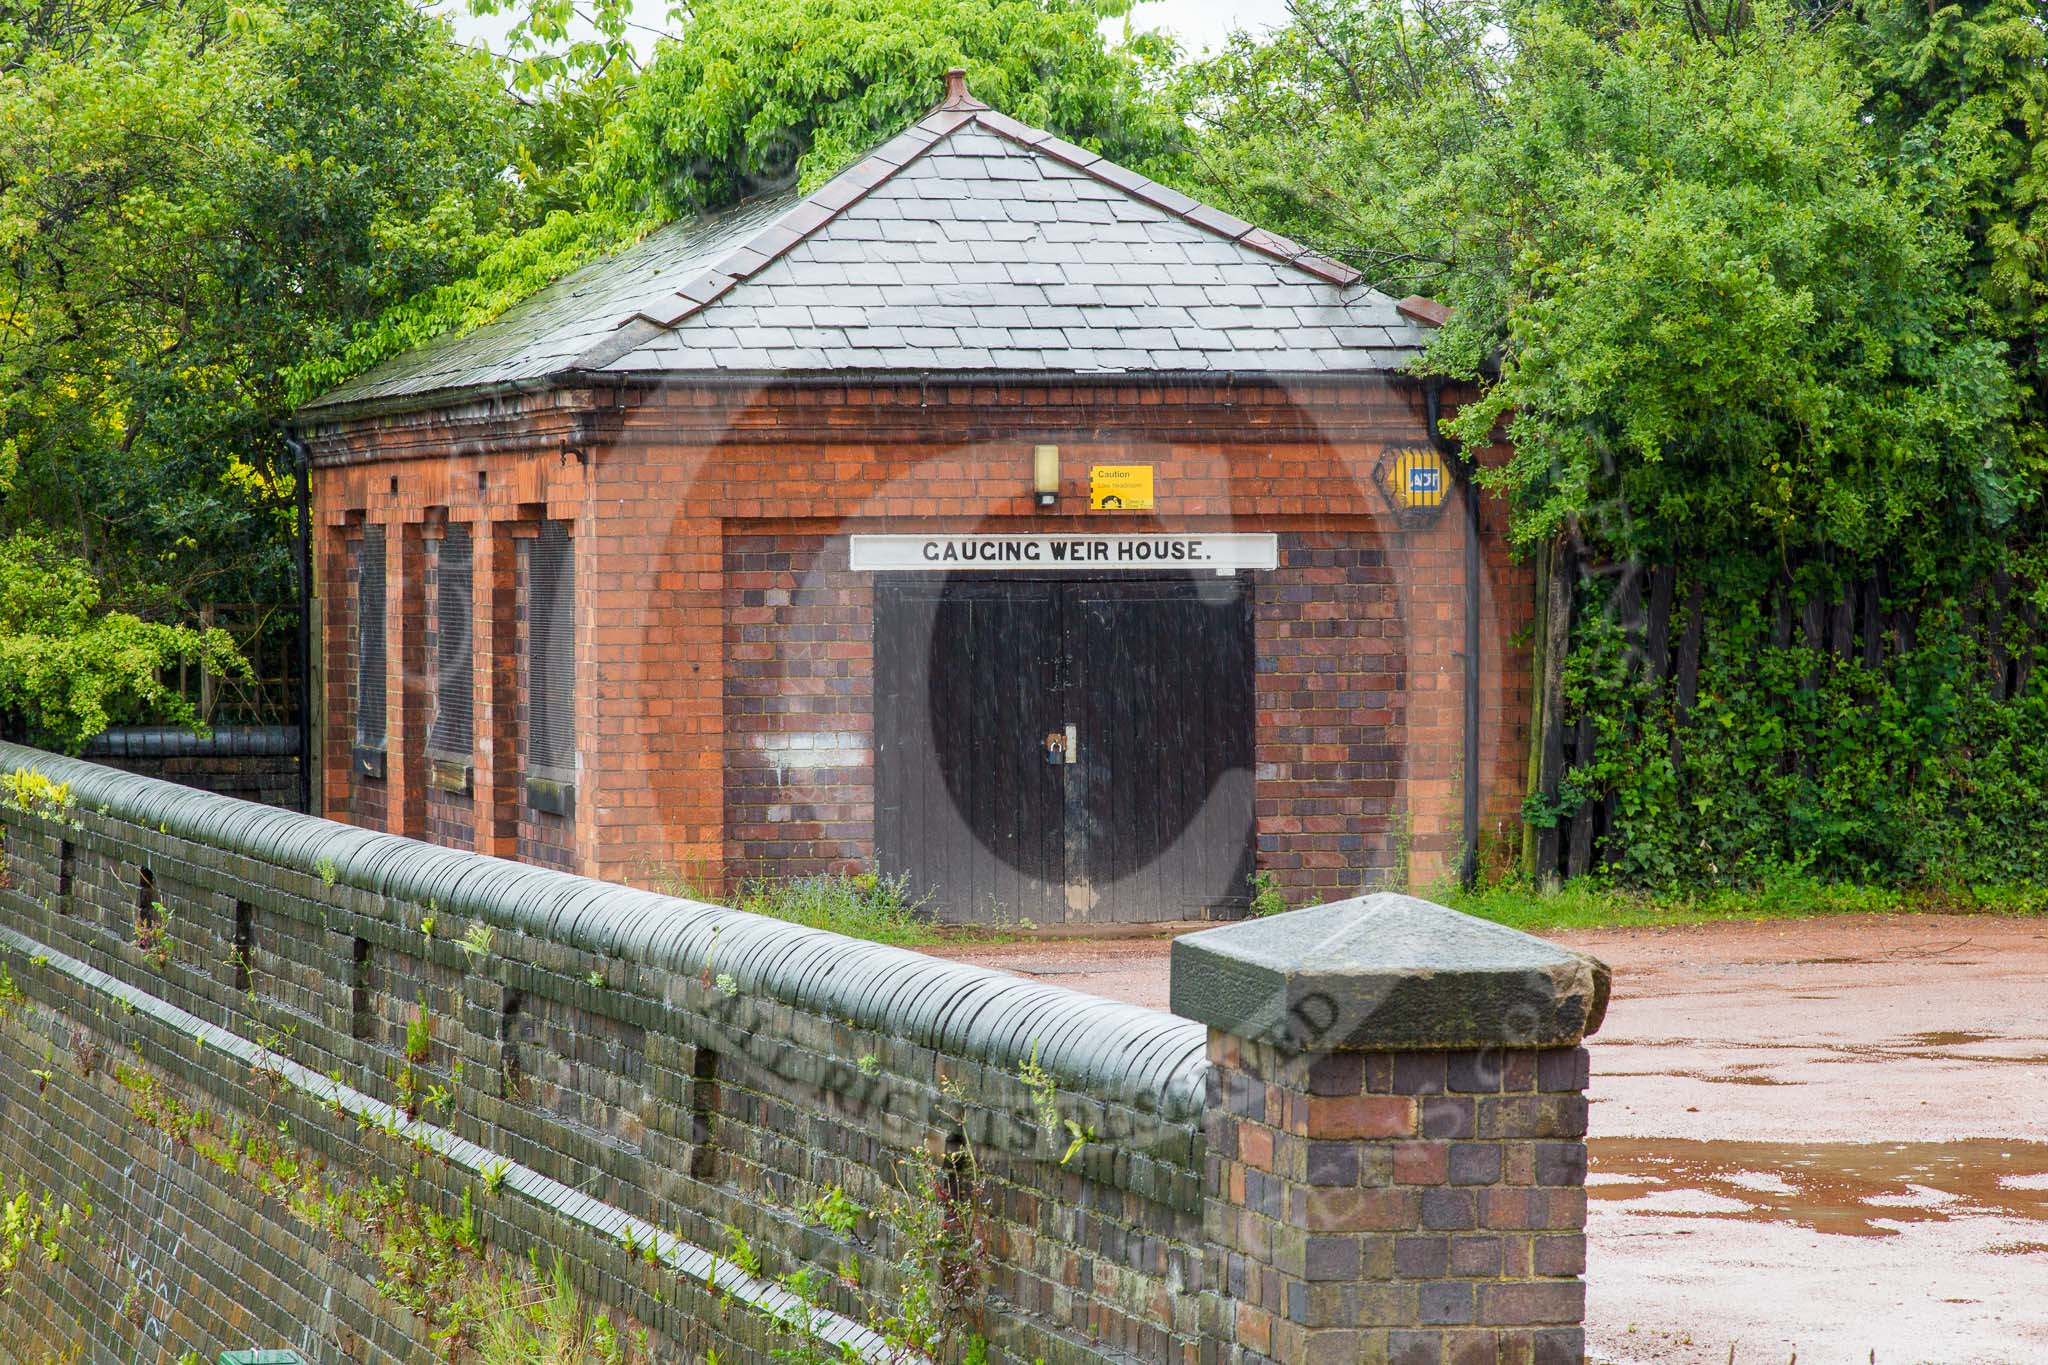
(302, 565)
(1432, 394)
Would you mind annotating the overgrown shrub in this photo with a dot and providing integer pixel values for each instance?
(1929, 768)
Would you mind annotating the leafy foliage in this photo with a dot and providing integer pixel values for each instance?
(1959, 100)
(759, 95)
(1755, 291)
(193, 196)
(1798, 761)
(69, 669)
(1707, 314)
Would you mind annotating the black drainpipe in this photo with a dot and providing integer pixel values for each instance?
(302, 564)
(1432, 393)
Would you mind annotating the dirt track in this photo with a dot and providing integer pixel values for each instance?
(1827, 1136)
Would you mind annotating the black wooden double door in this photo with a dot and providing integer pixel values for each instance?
(1066, 751)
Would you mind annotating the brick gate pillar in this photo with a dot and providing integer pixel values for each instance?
(1396, 1130)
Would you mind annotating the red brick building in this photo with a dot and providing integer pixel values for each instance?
(813, 535)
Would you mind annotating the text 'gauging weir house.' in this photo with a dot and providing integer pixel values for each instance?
(993, 515)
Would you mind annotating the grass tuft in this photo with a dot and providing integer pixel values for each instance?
(1590, 904)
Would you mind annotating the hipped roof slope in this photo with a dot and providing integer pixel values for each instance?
(969, 244)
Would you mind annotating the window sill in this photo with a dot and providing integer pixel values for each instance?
(551, 794)
(454, 775)
(368, 763)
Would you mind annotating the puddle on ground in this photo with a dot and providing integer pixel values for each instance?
(1855, 1189)
(1733, 1076)
(1949, 1038)
(1933, 1047)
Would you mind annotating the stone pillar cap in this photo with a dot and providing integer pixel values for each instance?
(1386, 972)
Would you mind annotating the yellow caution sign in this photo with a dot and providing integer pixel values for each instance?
(1120, 488)
(1418, 479)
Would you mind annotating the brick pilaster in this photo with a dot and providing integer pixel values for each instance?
(405, 661)
(495, 636)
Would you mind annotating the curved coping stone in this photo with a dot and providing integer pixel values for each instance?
(866, 993)
(371, 870)
(957, 1010)
(990, 1031)
(932, 1003)
(489, 881)
(922, 1016)
(1170, 1048)
(818, 961)
(666, 944)
(1003, 1030)
(355, 852)
(241, 829)
(690, 945)
(1049, 1044)
(170, 741)
(217, 822)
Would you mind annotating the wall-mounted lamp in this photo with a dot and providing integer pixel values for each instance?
(1045, 474)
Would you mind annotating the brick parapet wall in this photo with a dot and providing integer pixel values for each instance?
(249, 763)
(601, 1086)
(664, 1065)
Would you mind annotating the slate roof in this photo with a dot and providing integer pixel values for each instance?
(968, 244)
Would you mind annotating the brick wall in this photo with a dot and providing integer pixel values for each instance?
(658, 1093)
(663, 1072)
(250, 763)
(666, 487)
(1332, 660)
(1458, 1236)
(799, 706)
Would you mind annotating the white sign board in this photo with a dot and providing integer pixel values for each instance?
(1221, 551)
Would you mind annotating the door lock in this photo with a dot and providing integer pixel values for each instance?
(1063, 746)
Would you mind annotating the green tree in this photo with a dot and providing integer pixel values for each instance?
(1707, 316)
(192, 197)
(1959, 102)
(1755, 293)
(69, 669)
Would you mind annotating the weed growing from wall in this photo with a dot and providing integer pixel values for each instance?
(31, 1230)
(153, 933)
(436, 1266)
(1045, 1103)
(31, 793)
(1267, 897)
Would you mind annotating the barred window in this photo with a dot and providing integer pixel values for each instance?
(370, 641)
(551, 652)
(453, 733)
